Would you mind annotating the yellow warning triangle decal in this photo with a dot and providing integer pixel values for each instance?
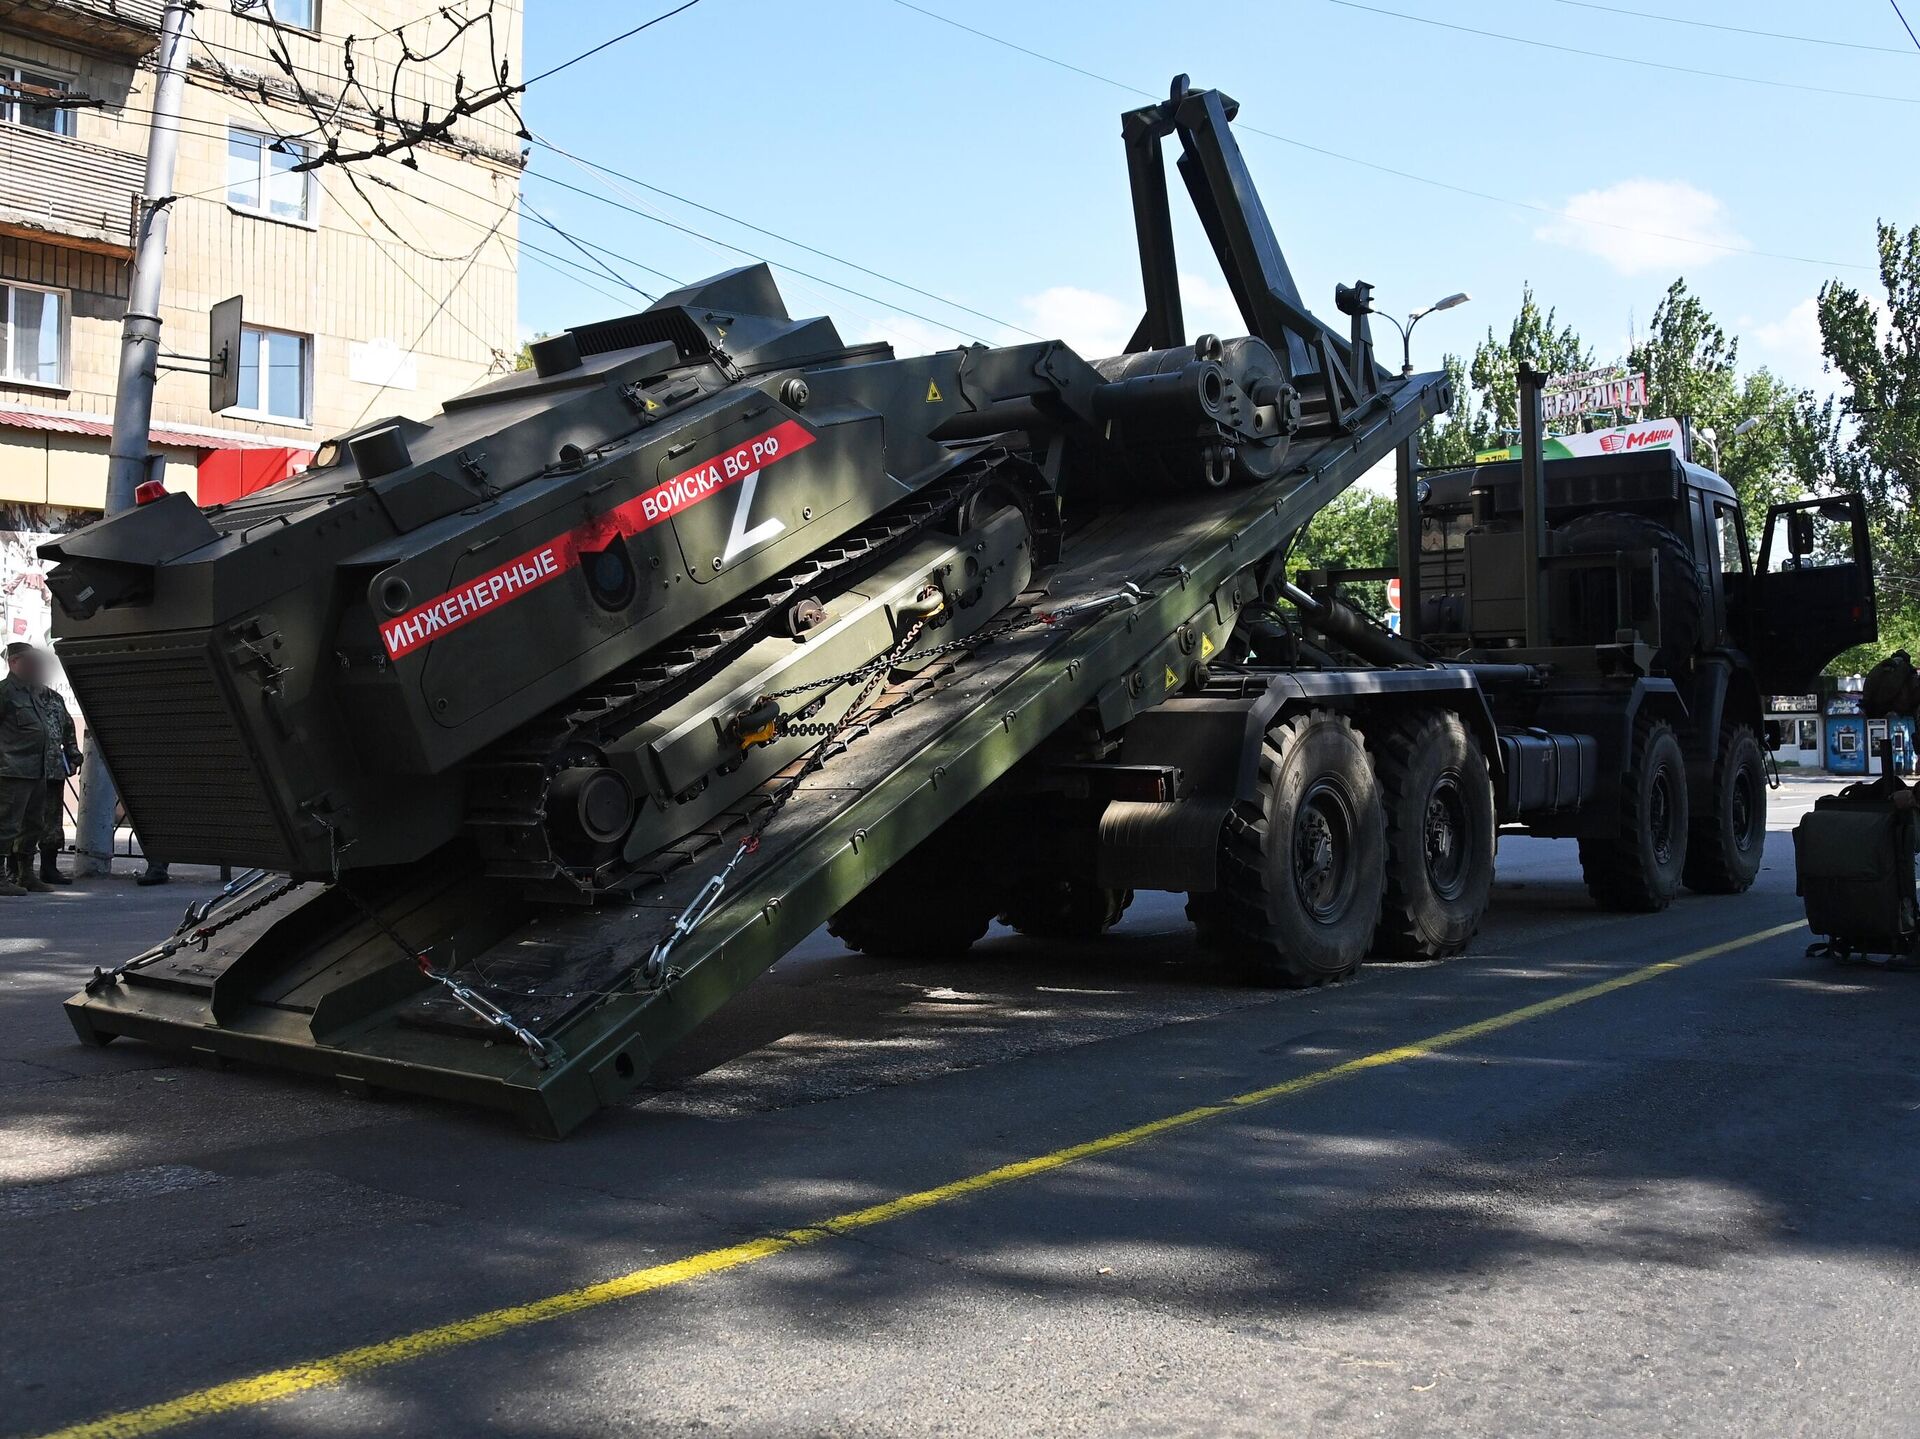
(933, 393)
(1206, 646)
(1173, 680)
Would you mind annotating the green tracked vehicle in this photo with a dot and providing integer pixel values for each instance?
(544, 726)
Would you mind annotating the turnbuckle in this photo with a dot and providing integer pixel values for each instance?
(483, 1008)
(698, 908)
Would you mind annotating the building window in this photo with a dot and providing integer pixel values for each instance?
(34, 338)
(274, 374)
(301, 14)
(20, 88)
(261, 177)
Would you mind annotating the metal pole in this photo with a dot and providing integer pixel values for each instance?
(1406, 483)
(1533, 503)
(139, 354)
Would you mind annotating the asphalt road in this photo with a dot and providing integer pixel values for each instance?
(1682, 1204)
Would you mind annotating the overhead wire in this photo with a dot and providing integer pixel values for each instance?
(605, 44)
(1733, 29)
(415, 133)
(571, 267)
(751, 254)
(282, 58)
(427, 325)
(544, 143)
(333, 76)
(1904, 25)
(440, 302)
(1465, 190)
(1609, 56)
(527, 205)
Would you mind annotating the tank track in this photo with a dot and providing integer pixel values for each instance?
(507, 783)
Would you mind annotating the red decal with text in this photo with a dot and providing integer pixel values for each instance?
(525, 573)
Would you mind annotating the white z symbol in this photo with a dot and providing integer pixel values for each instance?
(740, 538)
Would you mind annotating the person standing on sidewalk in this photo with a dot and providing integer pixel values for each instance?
(33, 754)
(53, 818)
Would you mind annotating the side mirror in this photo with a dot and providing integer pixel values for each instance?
(1800, 533)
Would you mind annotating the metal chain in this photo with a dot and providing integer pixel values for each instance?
(654, 971)
(1131, 594)
(184, 936)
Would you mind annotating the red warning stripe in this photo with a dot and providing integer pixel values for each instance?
(528, 572)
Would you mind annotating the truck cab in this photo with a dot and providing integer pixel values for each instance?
(1778, 617)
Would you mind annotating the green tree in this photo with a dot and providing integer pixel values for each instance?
(1359, 530)
(1692, 370)
(1452, 440)
(1486, 393)
(1533, 339)
(1868, 436)
(524, 360)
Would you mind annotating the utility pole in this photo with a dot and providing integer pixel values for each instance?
(139, 367)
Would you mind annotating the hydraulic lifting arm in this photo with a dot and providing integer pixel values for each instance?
(1336, 375)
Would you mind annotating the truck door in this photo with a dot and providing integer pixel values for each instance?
(1812, 596)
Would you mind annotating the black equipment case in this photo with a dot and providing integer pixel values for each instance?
(1854, 866)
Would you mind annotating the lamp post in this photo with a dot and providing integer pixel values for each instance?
(1459, 297)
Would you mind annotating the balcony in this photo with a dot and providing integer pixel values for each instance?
(123, 28)
(53, 188)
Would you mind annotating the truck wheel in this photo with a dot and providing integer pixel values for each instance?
(1439, 812)
(1587, 601)
(1724, 844)
(1066, 909)
(894, 918)
(1302, 866)
(1638, 866)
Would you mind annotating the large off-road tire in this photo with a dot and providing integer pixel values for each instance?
(1727, 836)
(897, 918)
(1584, 610)
(1440, 823)
(1302, 865)
(1638, 865)
(1065, 909)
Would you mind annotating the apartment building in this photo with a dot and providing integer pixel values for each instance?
(373, 289)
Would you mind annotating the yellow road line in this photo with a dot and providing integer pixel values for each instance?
(316, 1373)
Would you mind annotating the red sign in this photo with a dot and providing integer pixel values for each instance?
(527, 572)
(1393, 594)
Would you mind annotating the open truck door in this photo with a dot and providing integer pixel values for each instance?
(1816, 599)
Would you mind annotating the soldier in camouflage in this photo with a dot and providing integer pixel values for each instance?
(37, 753)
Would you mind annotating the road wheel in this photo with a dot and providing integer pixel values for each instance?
(1066, 909)
(1638, 866)
(1439, 813)
(1302, 865)
(912, 915)
(1726, 840)
(1584, 603)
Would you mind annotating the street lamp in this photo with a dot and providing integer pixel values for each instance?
(1459, 297)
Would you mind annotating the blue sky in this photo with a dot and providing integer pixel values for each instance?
(996, 180)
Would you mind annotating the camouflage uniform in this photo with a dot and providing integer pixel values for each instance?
(53, 818)
(34, 745)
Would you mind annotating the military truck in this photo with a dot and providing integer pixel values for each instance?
(1649, 572)
(547, 724)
